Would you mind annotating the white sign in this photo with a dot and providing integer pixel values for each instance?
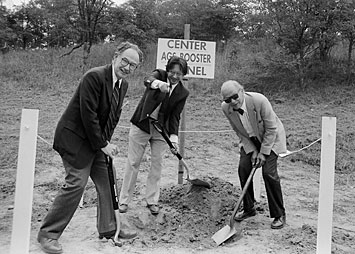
(200, 55)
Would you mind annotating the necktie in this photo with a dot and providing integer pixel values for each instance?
(240, 111)
(112, 117)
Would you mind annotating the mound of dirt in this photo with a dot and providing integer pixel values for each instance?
(190, 215)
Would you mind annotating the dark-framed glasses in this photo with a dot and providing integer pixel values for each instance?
(125, 62)
(233, 97)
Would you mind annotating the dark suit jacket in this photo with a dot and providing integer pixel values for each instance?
(79, 133)
(170, 110)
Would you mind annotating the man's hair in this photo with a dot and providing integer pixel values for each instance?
(179, 61)
(128, 45)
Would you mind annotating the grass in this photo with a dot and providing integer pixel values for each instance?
(41, 79)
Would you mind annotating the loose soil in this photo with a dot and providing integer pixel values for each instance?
(189, 215)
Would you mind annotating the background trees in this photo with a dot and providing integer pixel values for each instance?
(302, 33)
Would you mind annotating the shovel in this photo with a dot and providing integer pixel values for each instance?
(114, 196)
(227, 231)
(162, 131)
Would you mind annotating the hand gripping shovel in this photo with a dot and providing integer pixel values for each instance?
(227, 231)
(114, 196)
(161, 130)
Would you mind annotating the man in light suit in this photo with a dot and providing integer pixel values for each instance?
(262, 138)
(82, 138)
(163, 100)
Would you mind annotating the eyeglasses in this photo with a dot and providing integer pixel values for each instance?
(125, 62)
(172, 73)
(233, 97)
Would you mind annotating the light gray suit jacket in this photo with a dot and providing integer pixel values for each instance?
(265, 123)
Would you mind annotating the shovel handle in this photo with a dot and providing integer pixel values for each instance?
(231, 221)
(162, 131)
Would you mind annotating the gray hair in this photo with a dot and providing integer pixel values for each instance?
(128, 45)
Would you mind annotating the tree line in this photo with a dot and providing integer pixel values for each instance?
(303, 28)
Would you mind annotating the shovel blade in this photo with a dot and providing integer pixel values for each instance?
(223, 234)
(198, 182)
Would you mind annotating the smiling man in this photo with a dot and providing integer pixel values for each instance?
(262, 137)
(82, 138)
(163, 100)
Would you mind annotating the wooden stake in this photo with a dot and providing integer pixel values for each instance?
(21, 227)
(257, 184)
(326, 186)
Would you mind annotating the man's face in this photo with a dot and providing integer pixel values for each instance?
(125, 63)
(235, 98)
(175, 74)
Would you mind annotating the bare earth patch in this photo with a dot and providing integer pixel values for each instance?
(189, 216)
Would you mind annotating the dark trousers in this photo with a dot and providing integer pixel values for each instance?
(271, 179)
(68, 198)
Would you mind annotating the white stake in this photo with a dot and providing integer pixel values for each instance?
(21, 227)
(326, 186)
(257, 184)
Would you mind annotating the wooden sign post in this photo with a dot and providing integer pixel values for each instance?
(183, 117)
(21, 227)
(326, 186)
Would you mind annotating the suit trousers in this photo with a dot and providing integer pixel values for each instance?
(271, 180)
(138, 141)
(68, 198)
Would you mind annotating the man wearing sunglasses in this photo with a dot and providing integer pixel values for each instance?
(163, 100)
(261, 138)
(83, 140)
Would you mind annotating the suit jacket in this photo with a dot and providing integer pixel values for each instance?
(266, 125)
(170, 110)
(79, 133)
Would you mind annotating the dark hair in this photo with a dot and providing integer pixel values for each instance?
(127, 45)
(179, 61)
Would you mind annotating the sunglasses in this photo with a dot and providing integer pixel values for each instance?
(233, 97)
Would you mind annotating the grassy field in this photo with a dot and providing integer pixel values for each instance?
(43, 80)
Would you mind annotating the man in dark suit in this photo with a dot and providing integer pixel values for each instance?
(163, 100)
(82, 138)
(262, 138)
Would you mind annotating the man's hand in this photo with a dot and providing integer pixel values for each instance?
(163, 86)
(260, 160)
(110, 150)
(175, 149)
(254, 158)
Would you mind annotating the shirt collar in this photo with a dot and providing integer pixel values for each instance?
(114, 78)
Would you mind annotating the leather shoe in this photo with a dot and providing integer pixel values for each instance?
(154, 209)
(124, 234)
(279, 222)
(123, 208)
(50, 246)
(244, 215)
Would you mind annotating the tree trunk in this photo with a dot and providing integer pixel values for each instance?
(350, 50)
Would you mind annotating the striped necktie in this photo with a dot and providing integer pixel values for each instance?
(112, 117)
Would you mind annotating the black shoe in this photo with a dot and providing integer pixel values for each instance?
(154, 209)
(244, 215)
(124, 234)
(279, 222)
(50, 246)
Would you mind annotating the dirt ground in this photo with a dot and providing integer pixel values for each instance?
(189, 216)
